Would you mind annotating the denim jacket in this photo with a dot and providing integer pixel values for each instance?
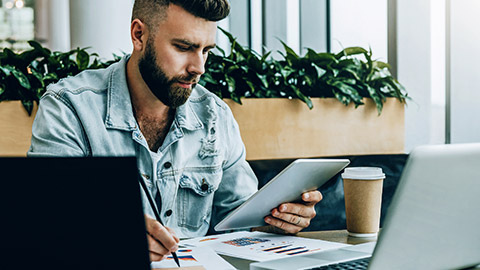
(199, 174)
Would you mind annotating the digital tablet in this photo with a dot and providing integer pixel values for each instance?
(300, 176)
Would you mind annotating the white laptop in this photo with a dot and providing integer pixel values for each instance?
(433, 221)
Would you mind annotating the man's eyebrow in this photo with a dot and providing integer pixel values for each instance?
(212, 46)
(191, 44)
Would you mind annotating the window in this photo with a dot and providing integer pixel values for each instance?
(260, 24)
(16, 23)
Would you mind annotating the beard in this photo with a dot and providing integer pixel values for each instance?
(161, 86)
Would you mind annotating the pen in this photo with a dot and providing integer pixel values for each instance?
(155, 211)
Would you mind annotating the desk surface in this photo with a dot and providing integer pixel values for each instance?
(339, 236)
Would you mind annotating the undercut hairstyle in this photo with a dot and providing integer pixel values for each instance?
(151, 12)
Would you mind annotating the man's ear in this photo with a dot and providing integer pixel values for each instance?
(138, 32)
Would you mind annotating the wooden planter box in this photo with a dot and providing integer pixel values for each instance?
(15, 128)
(277, 128)
(272, 128)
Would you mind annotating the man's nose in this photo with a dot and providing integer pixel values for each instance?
(196, 64)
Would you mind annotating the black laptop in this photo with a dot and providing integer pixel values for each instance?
(71, 213)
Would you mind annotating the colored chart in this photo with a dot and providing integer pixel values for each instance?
(208, 239)
(193, 259)
(245, 241)
(188, 258)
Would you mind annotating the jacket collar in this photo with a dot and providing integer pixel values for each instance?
(119, 105)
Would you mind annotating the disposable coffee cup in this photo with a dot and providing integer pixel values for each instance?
(363, 200)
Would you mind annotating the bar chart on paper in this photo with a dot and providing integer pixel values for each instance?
(260, 246)
(193, 259)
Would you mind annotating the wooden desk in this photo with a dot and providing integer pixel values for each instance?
(339, 236)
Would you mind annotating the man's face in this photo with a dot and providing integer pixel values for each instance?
(174, 58)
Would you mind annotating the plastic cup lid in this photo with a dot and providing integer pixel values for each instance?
(363, 173)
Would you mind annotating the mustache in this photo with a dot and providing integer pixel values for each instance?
(193, 79)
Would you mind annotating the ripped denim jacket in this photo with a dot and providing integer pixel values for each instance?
(197, 176)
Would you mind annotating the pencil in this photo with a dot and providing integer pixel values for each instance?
(155, 211)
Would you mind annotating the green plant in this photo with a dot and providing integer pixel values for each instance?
(24, 76)
(243, 73)
(345, 76)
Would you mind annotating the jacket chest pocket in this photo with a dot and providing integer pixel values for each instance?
(195, 196)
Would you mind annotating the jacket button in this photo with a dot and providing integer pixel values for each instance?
(169, 212)
(204, 187)
(167, 165)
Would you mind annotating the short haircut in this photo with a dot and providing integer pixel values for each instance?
(151, 12)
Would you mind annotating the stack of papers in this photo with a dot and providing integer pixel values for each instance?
(201, 253)
(260, 246)
(194, 259)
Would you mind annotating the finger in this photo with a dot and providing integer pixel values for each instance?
(285, 226)
(154, 257)
(155, 247)
(292, 219)
(172, 232)
(307, 211)
(161, 234)
(312, 197)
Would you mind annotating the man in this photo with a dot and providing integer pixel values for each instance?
(187, 144)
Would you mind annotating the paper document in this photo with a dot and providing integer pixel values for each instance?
(259, 246)
(194, 259)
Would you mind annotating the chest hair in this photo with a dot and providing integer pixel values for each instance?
(155, 129)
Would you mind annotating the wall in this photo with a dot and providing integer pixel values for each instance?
(360, 23)
(414, 67)
(102, 25)
(464, 71)
(52, 24)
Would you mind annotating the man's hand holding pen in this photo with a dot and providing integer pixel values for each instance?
(162, 241)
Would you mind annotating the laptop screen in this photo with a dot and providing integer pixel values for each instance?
(71, 213)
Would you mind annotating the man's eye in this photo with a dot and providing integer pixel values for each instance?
(182, 48)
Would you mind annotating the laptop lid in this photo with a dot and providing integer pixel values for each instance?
(71, 213)
(433, 221)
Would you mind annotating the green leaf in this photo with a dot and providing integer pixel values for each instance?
(265, 56)
(229, 36)
(51, 76)
(220, 50)
(37, 47)
(348, 90)
(320, 59)
(39, 77)
(381, 65)
(289, 51)
(342, 98)
(231, 84)
(82, 59)
(21, 78)
(376, 98)
(304, 98)
(291, 57)
(7, 70)
(28, 105)
(351, 51)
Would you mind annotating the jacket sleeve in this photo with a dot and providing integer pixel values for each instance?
(56, 130)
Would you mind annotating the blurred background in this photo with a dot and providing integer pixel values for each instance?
(432, 45)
